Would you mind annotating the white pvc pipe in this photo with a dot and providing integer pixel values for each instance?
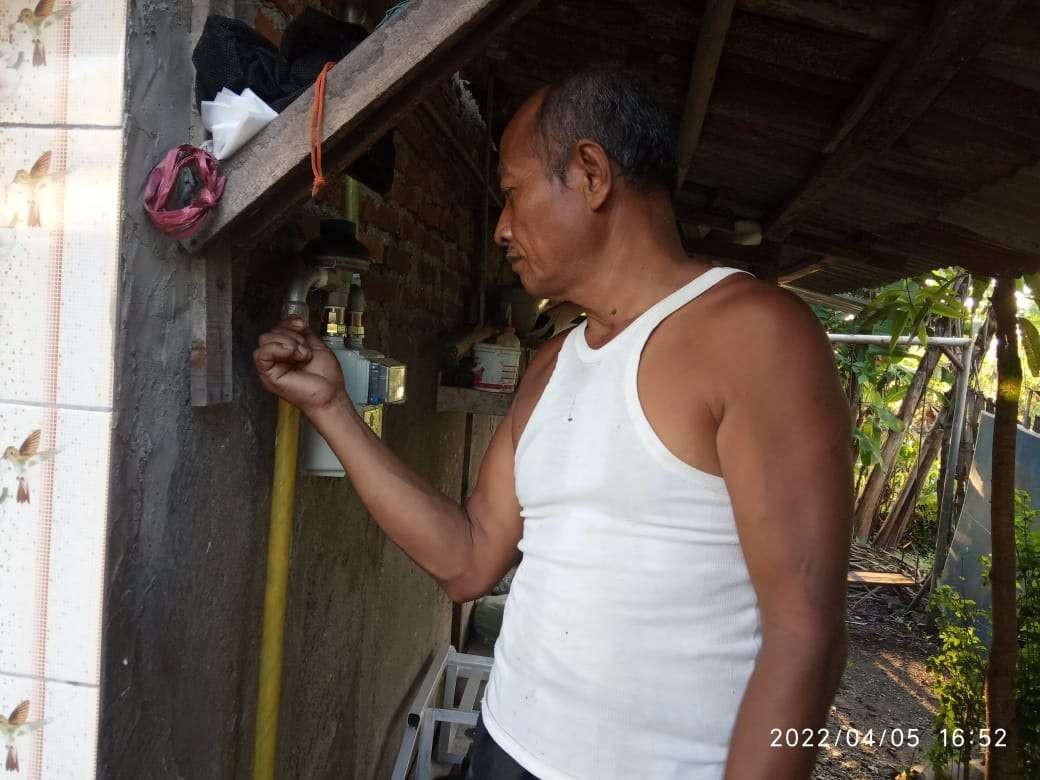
(933, 341)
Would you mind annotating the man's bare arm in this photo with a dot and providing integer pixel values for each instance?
(466, 549)
(784, 448)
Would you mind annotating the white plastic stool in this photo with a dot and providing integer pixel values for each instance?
(450, 666)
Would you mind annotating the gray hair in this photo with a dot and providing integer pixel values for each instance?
(609, 105)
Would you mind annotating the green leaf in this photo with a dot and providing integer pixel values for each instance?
(889, 420)
(896, 394)
(898, 324)
(918, 326)
(1030, 344)
(953, 311)
(878, 315)
(869, 449)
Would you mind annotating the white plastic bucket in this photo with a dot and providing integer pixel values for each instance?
(496, 368)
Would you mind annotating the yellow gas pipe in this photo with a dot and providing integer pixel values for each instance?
(283, 488)
(286, 444)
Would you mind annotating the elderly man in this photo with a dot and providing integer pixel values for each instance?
(675, 471)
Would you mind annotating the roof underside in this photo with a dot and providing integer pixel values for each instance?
(959, 186)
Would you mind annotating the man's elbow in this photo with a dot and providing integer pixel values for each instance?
(463, 589)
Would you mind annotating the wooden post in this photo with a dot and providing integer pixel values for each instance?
(211, 378)
(1002, 762)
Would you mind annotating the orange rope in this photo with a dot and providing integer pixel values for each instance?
(317, 111)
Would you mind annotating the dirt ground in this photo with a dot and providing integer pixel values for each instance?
(885, 686)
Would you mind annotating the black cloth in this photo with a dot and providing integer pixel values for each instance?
(487, 761)
(232, 54)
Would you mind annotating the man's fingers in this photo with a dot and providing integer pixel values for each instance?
(275, 352)
(283, 334)
(297, 346)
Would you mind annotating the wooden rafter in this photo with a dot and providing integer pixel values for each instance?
(882, 22)
(366, 94)
(864, 255)
(808, 268)
(955, 245)
(889, 67)
(956, 33)
(723, 250)
(711, 40)
(843, 303)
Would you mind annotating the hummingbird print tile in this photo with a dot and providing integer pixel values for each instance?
(55, 54)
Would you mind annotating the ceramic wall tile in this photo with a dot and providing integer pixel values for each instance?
(54, 541)
(74, 75)
(72, 254)
(19, 537)
(65, 745)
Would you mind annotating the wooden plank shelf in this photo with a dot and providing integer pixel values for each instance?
(466, 399)
(879, 578)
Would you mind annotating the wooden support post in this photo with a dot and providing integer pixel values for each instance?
(958, 31)
(1002, 762)
(711, 39)
(211, 378)
(366, 94)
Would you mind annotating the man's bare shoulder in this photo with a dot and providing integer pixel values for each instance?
(750, 317)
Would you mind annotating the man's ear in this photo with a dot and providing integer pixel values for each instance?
(593, 173)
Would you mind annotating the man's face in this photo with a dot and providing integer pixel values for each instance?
(545, 226)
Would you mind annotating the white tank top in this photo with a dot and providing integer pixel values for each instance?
(631, 626)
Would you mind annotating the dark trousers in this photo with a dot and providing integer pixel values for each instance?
(487, 761)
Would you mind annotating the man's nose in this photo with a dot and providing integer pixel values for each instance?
(503, 230)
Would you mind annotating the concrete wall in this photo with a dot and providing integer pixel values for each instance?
(190, 487)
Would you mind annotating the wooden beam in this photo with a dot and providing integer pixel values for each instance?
(860, 255)
(807, 268)
(953, 245)
(723, 250)
(689, 215)
(883, 22)
(711, 39)
(838, 302)
(366, 94)
(957, 32)
(896, 56)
